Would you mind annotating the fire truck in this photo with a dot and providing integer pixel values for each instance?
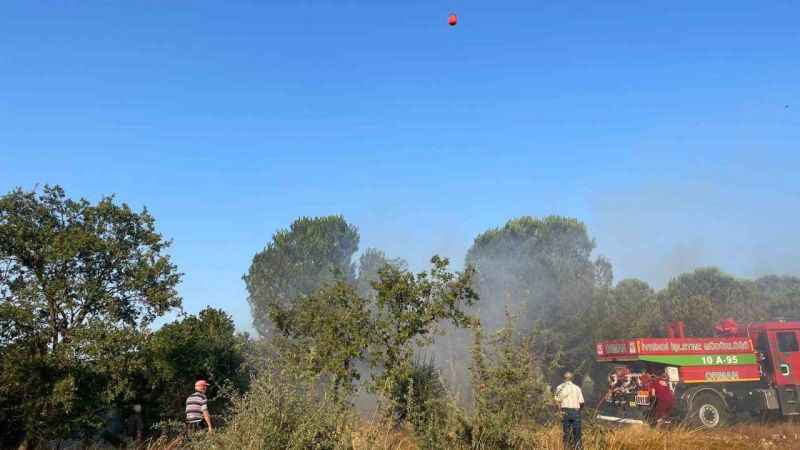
(752, 371)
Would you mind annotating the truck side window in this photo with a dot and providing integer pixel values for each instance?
(787, 341)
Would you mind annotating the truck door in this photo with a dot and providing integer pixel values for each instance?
(786, 366)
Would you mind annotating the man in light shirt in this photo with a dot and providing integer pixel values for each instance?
(570, 399)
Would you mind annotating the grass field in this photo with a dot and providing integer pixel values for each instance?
(740, 437)
(781, 436)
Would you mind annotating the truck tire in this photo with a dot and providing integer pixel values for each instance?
(708, 411)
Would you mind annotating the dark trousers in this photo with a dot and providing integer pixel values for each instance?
(572, 428)
(195, 427)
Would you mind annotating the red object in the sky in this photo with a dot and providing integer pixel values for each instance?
(452, 20)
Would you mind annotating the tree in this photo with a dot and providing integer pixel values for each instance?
(541, 266)
(542, 271)
(369, 265)
(331, 330)
(73, 275)
(705, 296)
(327, 332)
(297, 262)
(204, 346)
(629, 310)
(781, 294)
(410, 310)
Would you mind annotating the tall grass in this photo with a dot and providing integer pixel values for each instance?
(377, 435)
(742, 437)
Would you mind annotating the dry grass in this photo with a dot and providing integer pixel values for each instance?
(741, 437)
(778, 436)
(371, 436)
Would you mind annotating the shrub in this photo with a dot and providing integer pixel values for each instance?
(283, 412)
(416, 396)
(511, 393)
(422, 401)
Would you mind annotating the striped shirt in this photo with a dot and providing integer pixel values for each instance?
(195, 406)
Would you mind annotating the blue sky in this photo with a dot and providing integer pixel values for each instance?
(670, 128)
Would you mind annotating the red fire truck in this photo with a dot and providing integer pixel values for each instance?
(752, 371)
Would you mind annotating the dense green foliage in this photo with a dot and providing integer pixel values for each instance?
(327, 332)
(206, 347)
(627, 310)
(284, 412)
(420, 397)
(542, 270)
(333, 329)
(510, 389)
(78, 282)
(297, 262)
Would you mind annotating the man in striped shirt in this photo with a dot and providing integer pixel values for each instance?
(197, 408)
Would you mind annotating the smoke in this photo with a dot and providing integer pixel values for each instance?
(530, 271)
(652, 231)
(657, 232)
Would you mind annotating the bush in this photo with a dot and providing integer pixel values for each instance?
(416, 396)
(422, 401)
(511, 394)
(283, 412)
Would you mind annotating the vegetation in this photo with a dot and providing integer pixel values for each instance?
(204, 346)
(284, 412)
(81, 285)
(297, 262)
(740, 437)
(510, 390)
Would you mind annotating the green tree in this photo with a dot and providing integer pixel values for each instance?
(410, 310)
(74, 276)
(541, 270)
(705, 296)
(205, 346)
(781, 295)
(628, 310)
(539, 266)
(297, 262)
(331, 330)
(327, 332)
(369, 265)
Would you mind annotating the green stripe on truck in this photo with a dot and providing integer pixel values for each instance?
(700, 360)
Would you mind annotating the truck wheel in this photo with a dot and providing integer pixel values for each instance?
(708, 411)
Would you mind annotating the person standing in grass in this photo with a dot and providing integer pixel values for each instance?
(136, 424)
(197, 408)
(665, 399)
(569, 398)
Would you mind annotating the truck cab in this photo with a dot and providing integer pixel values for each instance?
(778, 346)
